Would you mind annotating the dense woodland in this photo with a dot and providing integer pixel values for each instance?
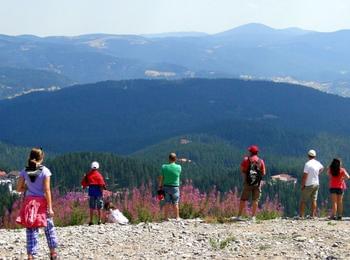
(126, 116)
(133, 125)
(214, 162)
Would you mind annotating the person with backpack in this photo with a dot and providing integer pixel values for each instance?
(337, 176)
(310, 184)
(252, 169)
(94, 180)
(36, 210)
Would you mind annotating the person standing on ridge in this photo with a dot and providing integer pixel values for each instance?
(36, 210)
(310, 184)
(94, 180)
(252, 169)
(337, 176)
(169, 182)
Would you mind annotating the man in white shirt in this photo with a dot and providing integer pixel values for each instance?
(310, 183)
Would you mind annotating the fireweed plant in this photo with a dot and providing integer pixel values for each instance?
(141, 205)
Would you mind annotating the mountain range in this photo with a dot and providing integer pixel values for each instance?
(209, 123)
(127, 116)
(253, 51)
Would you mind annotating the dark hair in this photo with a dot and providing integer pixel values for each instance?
(109, 205)
(36, 156)
(172, 157)
(335, 167)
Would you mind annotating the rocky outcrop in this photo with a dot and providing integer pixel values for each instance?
(193, 239)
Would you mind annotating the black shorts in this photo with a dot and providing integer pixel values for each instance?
(336, 191)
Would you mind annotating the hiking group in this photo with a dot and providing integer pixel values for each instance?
(37, 210)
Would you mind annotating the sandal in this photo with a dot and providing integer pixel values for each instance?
(53, 256)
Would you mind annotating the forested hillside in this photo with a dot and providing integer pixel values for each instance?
(209, 122)
(207, 161)
(126, 116)
(119, 172)
(12, 157)
(215, 162)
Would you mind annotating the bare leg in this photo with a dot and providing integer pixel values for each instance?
(91, 215)
(313, 208)
(241, 207)
(340, 205)
(99, 215)
(334, 204)
(176, 211)
(254, 207)
(302, 209)
(166, 210)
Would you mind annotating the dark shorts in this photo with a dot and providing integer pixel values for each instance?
(251, 191)
(95, 202)
(172, 194)
(336, 191)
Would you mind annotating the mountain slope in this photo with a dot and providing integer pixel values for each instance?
(16, 81)
(316, 59)
(126, 116)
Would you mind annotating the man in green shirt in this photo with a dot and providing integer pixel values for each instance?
(169, 182)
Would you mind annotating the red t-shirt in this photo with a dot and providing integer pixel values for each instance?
(93, 177)
(337, 182)
(254, 158)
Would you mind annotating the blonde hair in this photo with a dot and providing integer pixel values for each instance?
(36, 156)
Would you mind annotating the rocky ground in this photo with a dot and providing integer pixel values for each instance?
(193, 239)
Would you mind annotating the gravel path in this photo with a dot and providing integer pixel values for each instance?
(192, 239)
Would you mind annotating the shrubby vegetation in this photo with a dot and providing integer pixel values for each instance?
(214, 163)
(6, 202)
(140, 205)
(12, 157)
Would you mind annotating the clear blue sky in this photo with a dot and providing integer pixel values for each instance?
(74, 17)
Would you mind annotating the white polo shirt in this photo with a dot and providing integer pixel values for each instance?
(312, 168)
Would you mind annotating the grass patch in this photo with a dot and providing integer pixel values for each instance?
(264, 247)
(266, 215)
(221, 244)
(216, 220)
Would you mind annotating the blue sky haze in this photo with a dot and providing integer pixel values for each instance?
(75, 17)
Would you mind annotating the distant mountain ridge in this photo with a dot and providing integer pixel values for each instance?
(126, 116)
(253, 50)
(19, 81)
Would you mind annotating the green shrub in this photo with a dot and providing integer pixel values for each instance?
(144, 215)
(266, 215)
(187, 211)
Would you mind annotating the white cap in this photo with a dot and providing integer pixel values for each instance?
(95, 165)
(312, 153)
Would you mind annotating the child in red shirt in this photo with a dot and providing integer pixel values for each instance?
(94, 180)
